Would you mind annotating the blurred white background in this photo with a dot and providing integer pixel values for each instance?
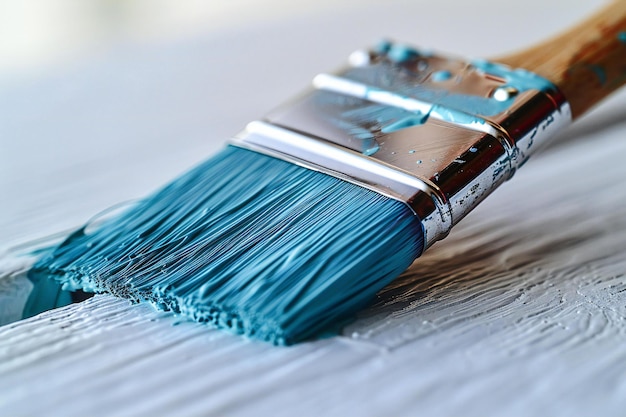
(102, 101)
(38, 35)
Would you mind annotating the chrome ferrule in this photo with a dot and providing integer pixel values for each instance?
(435, 132)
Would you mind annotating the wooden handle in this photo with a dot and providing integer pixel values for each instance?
(587, 62)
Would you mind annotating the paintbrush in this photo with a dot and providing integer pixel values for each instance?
(309, 212)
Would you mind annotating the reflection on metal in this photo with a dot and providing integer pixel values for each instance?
(438, 144)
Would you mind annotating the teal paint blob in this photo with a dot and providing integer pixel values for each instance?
(247, 243)
(440, 76)
(622, 37)
(521, 79)
(371, 151)
(401, 53)
(382, 47)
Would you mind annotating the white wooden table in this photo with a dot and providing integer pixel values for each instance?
(522, 311)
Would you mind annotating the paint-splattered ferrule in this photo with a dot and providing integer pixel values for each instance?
(435, 132)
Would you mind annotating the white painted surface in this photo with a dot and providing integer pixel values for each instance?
(522, 311)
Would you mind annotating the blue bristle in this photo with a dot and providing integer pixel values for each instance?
(249, 243)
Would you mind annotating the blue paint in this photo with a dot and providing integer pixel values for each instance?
(392, 101)
(596, 69)
(45, 295)
(402, 53)
(473, 105)
(440, 76)
(457, 116)
(388, 119)
(383, 47)
(362, 134)
(409, 121)
(600, 73)
(247, 243)
(371, 151)
(622, 37)
(521, 79)
(429, 95)
(351, 120)
(363, 120)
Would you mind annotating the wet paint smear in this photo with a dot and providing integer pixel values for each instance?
(383, 47)
(402, 53)
(440, 76)
(385, 78)
(521, 79)
(367, 102)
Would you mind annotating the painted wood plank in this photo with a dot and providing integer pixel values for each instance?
(522, 311)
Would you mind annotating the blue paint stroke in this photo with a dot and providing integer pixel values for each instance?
(521, 79)
(484, 106)
(622, 37)
(387, 99)
(440, 76)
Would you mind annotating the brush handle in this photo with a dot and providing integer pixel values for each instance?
(587, 62)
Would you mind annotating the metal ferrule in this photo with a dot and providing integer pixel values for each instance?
(435, 132)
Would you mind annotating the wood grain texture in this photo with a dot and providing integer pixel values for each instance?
(521, 311)
(513, 315)
(587, 62)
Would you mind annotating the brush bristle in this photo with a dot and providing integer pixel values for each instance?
(249, 243)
